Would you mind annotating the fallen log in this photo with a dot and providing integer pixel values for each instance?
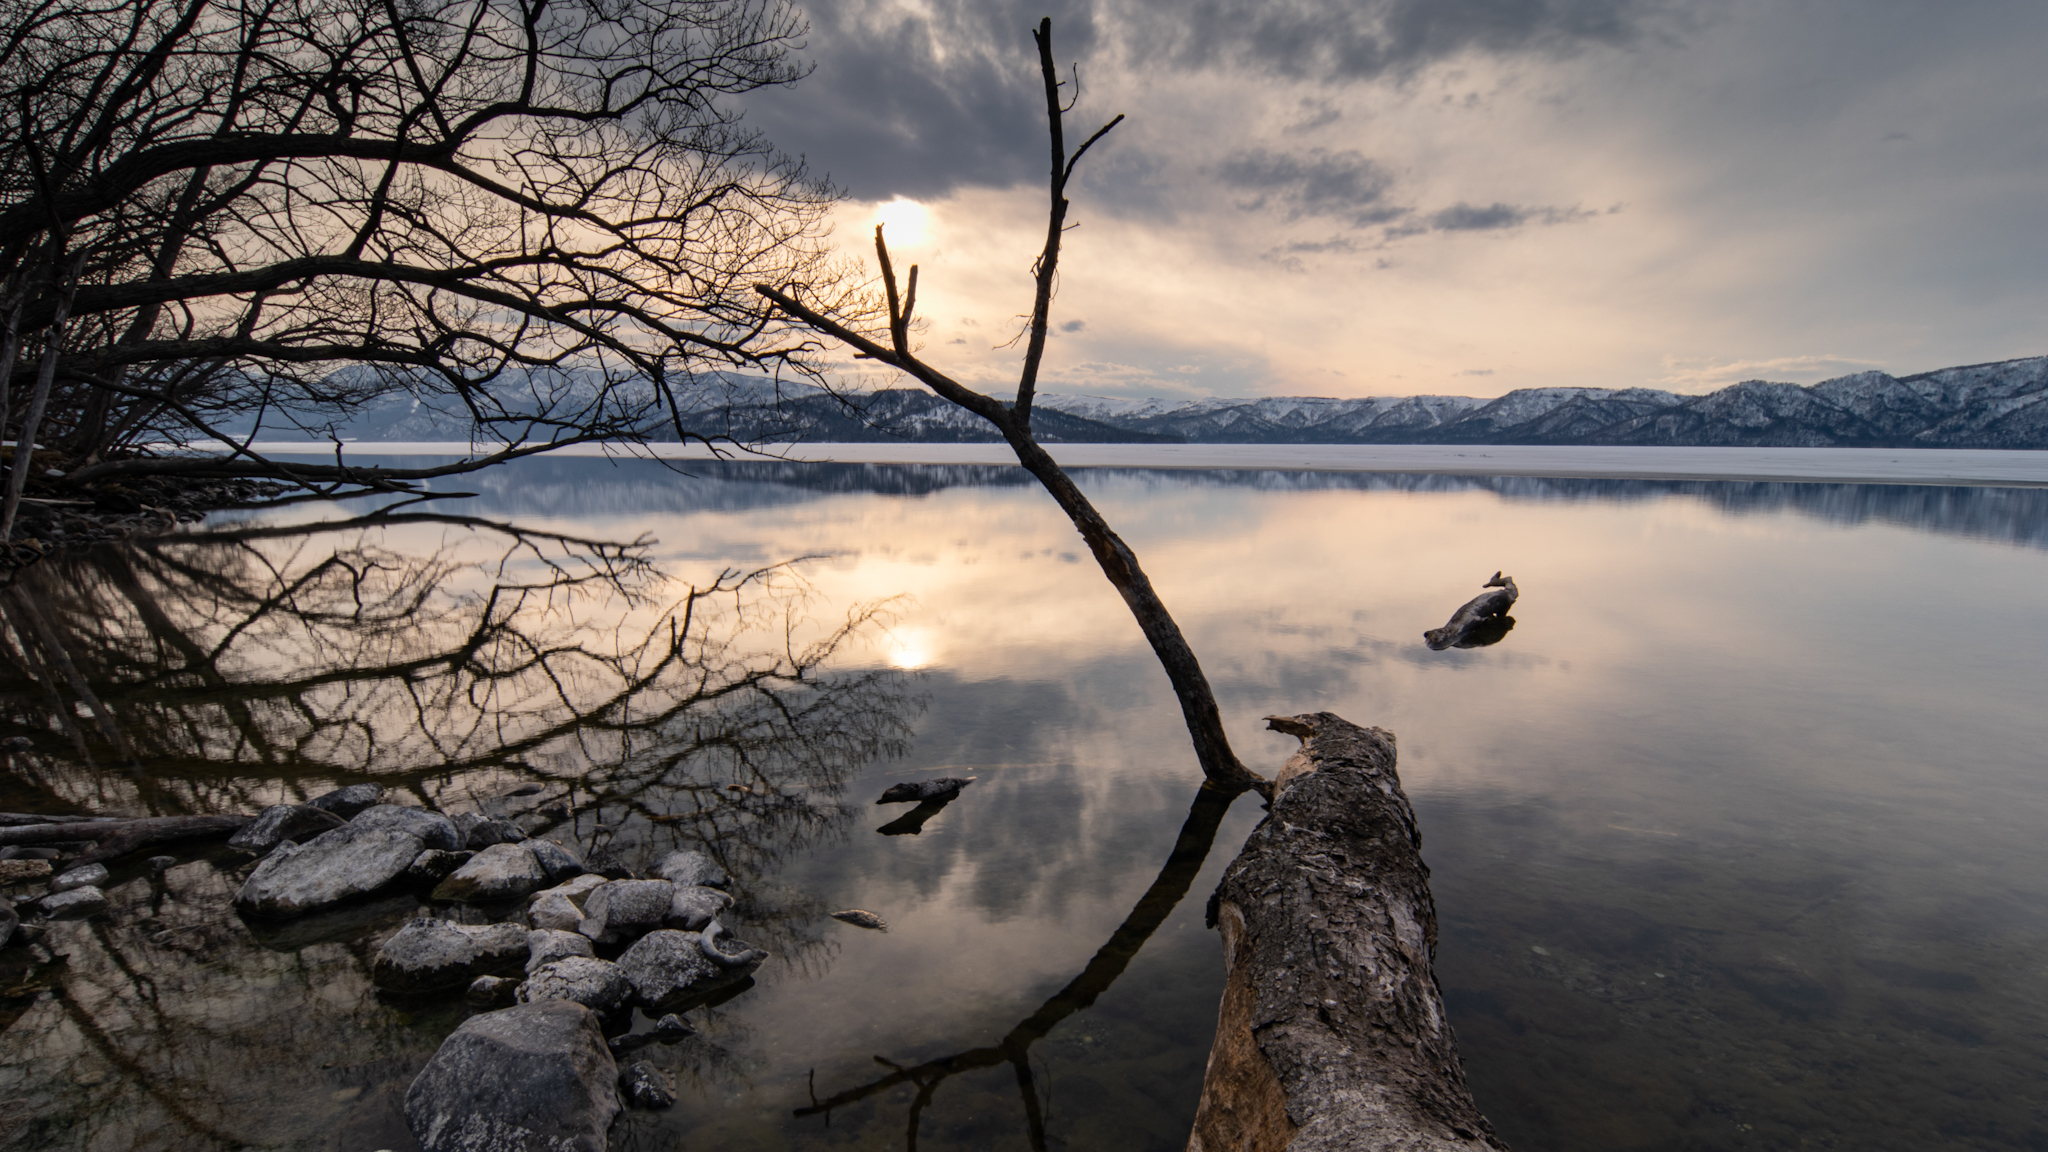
(1481, 620)
(112, 838)
(1332, 1033)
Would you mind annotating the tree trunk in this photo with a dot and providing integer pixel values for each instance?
(1332, 1033)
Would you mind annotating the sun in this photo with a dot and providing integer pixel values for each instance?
(905, 222)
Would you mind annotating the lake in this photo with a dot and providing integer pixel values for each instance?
(1737, 835)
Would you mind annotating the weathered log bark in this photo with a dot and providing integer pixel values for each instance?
(1481, 620)
(1332, 1033)
(112, 838)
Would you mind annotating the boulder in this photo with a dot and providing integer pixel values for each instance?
(24, 871)
(644, 1086)
(431, 829)
(349, 802)
(595, 984)
(333, 868)
(525, 1079)
(76, 904)
(428, 954)
(499, 873)
(692, 867)
(558, 862)
(488, 832)
(663, 965)
(85, 876)
(562, 906)
(546, 945)
(693, 907)
(492, 992)
(433, 866)
(281, 822)
(624, 909)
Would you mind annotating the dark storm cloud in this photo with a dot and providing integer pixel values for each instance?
(918, 103)
(1347, 185)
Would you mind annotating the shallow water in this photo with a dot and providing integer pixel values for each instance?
(1735, 836)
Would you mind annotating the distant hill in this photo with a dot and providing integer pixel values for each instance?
(2002, 405)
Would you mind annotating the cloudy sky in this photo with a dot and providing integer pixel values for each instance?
(1374, 197)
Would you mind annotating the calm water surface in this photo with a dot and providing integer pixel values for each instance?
(1737, 835)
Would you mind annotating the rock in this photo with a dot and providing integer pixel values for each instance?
(281, 822)
(431, 829)
(9, 921)
(945, 786)
(861, 918)
(17, 744)
(24, 871)
(663, 965)
(562, 906)
(546, 945)
(603, 863)
(161, 864)
(86, 876)
(433, 866)
(333, 868)
(558, 862)
(492, 992)
(498, 873)
(673, 1027)
(525, 1079)
(489, 832)
(693, 907)
(624, 909)
(692, 867)
(595, 984)
(644, 1086)
(349, 802)
(428, 954)
(77, 904)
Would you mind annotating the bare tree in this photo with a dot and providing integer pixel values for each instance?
(538, 215)
(1013, 421)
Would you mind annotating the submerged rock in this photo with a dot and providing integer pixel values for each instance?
(499, 872)
(544, 946)
(76, 904)
(595, 984)
(428, 954)
(693, 907)
(663, 965)
(333, 868)
(623, 909)
(85, 876)
(349, 802)
(644, 1086)
(281, 822)
(692, 867)
(431, 829)
(558, 862)
(945, 787)
(525, 1079)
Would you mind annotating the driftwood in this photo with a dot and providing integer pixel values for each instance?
(112, 838)
(1483, 620)
(1332, 1033)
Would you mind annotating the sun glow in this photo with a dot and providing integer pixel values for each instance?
(906, 222)
(910, 649)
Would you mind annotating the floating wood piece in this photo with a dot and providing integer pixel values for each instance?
(1483, 620)
(945, 787)
(112, 838)
(861, 918)
(1332, 1033)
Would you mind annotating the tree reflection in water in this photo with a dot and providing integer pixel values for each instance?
(222, 671)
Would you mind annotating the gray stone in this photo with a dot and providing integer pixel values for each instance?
(281, 822)
(24, 871)
(692, 867)
(431, 829)
(595, 984)
(498, 873)
(644, 1086)
(624, 909)
(532, 1078)
(663, 965)
(558, 862)
(9, 920)
(673, 1027)
(546, 945)
(433, 866)
(428, 954)
(694, 906)
(562, 906)
(488, 832)
(83, 876)
(602, 862)
(77, 904)
(492, 992)
(349, 802)
(333, 868)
